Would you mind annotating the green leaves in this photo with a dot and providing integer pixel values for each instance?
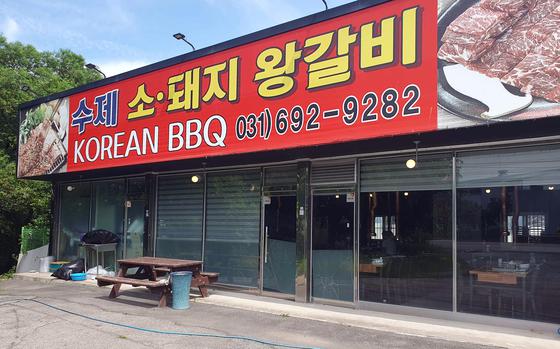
(25, 202)
(43, 72)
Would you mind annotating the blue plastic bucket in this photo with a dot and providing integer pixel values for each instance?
(180, 287)
(78, 276)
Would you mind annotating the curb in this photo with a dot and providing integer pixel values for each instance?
(480, 334)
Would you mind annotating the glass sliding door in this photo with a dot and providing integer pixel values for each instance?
(135, 222)
(332, 246)
(75, 200)
(405, 255)
(233, 206)
(180, 209)
(279, 244)
(508, 226)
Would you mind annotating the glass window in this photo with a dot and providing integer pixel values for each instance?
(179, 216)
(508, 225)
(135, 246)
(75, 201)
(233, 207)
(405, 232)
(280, 178)
(108, 211)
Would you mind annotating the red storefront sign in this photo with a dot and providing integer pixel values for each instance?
(365, 74)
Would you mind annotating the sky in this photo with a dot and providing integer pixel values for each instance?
(120, 35)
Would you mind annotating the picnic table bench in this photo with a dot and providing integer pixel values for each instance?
(147, 272)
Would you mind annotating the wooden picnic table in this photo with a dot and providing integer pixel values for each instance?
(147, 273)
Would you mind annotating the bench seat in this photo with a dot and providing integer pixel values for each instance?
(154, 286)
(212, 277)
(111, 280)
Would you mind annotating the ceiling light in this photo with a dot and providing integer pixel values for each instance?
(411, 163)
(487, 191)
(195, 179)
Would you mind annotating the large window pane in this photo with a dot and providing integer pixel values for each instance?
(108, 209)
(108, 212)
(232, 226)
(74, 217)
(405, 232)
(509, 233)
(179, 217)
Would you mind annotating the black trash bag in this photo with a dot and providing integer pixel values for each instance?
(100, 236)
(76, 266)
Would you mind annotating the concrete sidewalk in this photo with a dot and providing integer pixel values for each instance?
(391, 323)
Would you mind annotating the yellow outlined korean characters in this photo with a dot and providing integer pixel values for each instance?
(183, 90)
(275, 70)
(329, 71)
(377, 47)
(214, 87)
(138, 104)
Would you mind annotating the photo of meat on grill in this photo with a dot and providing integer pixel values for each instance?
(499, 59)
(43, 141)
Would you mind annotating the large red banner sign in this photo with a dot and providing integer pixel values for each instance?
(365, 74)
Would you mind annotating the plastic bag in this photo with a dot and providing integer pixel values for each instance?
(92, 272)
(96, 271)
(100, 236)
(75, 266)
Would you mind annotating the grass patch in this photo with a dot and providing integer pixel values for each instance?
(9, 274)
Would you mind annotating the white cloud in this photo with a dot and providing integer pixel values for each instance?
(116, 67)
(10, 29)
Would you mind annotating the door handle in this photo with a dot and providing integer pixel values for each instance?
(266, 244)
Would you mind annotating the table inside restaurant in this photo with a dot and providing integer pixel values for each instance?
(500, 279)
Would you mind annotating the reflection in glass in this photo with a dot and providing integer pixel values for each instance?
(332, 240)
(233, 226)
(108, 212)
(75, 201)
(405, 248)
(280, 244)
(180, 215)
(509, 257)
(405, 232)
(135, 213)
(508, 225)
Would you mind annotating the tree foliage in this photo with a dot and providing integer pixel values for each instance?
(43, 72)
(24, 202)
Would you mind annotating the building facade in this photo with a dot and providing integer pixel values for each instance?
(385, 189)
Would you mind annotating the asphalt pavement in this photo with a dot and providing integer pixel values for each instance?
(27, 324)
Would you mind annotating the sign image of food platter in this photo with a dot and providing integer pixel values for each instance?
(43, 140)
(498, 60)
